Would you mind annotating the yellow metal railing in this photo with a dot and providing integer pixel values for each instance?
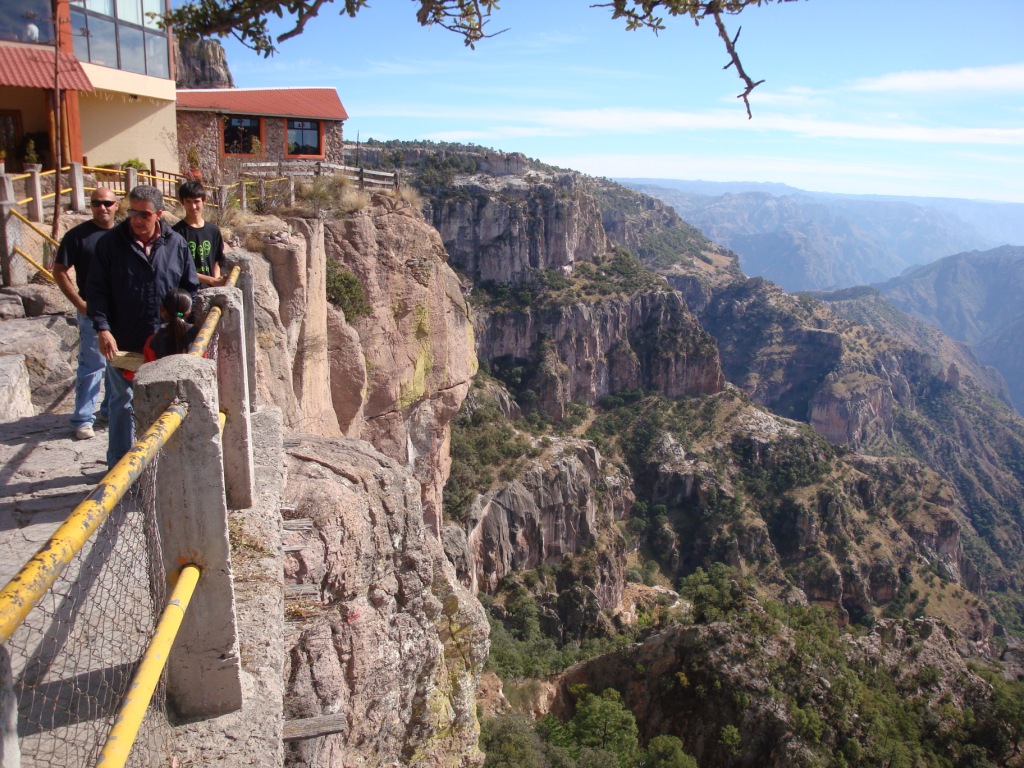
(34, 263)
(37, 575)
(133, 709)
(36, 229)
(206, 330)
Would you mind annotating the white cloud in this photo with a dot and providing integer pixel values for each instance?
(1006, 78)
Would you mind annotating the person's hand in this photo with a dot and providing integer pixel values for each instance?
(107, 345)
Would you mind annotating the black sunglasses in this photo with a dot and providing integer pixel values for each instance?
(104, 203)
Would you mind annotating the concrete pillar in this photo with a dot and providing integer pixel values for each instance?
(245, 285)
(13, 268)
(10, 750)
(203, 668)
(242, 197)
(34, 187)
(291, 191)
(77, 188)
(233, 382)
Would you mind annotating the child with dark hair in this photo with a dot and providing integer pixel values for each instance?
(176, 334)
(204, 239)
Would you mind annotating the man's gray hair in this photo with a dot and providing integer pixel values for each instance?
(146, 193)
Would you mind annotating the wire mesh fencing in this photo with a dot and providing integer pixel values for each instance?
(74, 656)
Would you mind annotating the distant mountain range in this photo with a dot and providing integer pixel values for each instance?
(815, 241)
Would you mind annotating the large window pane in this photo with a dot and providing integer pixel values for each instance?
(102, 42)
(133, 49)
(106, 7)
(80, 35)
(156, 55)
(152, 6)
(130, 11)
(239, 133)
(26, 21)
(303, 137)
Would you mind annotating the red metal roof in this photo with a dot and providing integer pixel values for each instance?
(31, 66)
(317, 103)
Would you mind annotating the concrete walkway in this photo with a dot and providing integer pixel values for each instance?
(44, 473)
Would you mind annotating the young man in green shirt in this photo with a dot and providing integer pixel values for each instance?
(204, 239)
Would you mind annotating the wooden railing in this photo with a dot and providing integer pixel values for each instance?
(362, 176)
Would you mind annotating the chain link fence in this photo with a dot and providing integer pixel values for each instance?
(74, 656)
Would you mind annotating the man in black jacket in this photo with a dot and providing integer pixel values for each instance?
(136, 264)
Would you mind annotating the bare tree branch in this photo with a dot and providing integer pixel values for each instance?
(730, 46)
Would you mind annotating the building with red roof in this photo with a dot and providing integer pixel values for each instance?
(216, 125)
(105, 68)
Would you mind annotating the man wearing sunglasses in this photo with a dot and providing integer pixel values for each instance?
(76, 251)
(137, 263)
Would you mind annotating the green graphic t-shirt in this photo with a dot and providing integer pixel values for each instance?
(204, 243)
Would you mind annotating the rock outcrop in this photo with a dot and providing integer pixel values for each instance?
(556, 507)
(499, 229)
(202, 64)
(581, 352)
(395, 377)
(386, 639)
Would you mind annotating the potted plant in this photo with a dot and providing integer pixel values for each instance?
(31, 157)
(192, 159)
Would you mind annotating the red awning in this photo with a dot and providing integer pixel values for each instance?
(31, 66)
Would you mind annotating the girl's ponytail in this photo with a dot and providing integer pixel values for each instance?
(178, 305)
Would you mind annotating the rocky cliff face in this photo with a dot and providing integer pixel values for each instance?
(395, 377)
(581, 352)
(557, 506)
(500, 228)
(385, 638)
(201, 64)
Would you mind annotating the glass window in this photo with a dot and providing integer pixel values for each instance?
(154, 7)
(102, 42)
(156, 56)
(26, 21)
(133, 49)
(106, 7)
(303, 137)
(239, 133)
(80, 35)
(130, 11)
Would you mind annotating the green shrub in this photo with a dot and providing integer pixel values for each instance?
(346, 292)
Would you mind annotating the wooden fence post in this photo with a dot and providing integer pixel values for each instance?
(243, 199)
(132, 180)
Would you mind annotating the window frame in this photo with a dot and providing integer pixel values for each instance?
(321, 138)
(261, 122)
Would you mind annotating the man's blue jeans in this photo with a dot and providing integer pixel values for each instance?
(121, 432)
(91, 365)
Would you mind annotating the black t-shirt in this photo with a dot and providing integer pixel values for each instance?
(77, 248)
(204, 243)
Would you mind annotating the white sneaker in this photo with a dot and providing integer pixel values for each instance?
(85, 432)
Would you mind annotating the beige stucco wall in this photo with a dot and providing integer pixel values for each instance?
(129, 116)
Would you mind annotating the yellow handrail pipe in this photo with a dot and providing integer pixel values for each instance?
(133, 709)
(22, 592)
(205, 334)
(34, 263)
(24, 220)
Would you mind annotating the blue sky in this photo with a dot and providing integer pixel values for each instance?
(896, 97)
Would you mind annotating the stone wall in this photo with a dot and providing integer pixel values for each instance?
(203, 130)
